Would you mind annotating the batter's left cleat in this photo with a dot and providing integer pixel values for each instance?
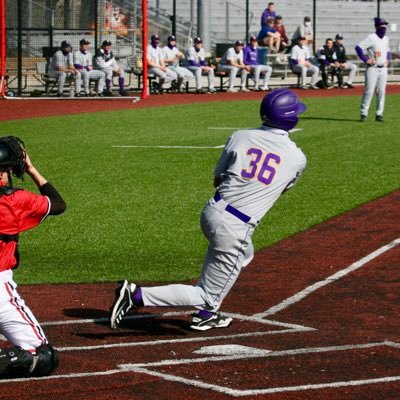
(216, 320)
(379, 118)
(122, 304)
(363, 118)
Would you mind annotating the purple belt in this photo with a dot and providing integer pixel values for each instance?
(232, 210)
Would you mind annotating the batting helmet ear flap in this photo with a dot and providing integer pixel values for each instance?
(280, 108)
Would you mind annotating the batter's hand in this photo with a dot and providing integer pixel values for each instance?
(371, 61)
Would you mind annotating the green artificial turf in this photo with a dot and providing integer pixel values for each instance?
(134, 212)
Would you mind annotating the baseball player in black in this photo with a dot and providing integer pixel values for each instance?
(328, 63)
(344, 63)
(31, 354)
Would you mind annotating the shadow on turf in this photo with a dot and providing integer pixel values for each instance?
(149, 326)
(330, 119)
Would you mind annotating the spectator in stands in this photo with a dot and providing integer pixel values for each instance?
(172, 57)
(62, 68)
(305, 29)
(197, 64)
(105, 61)
(328, 63)
(268, 36)
(344, 64)
(250, 58)
(156, 65)
(269, 12)
(281, 29)
(300, 63)
(232, 63)
(83, 63)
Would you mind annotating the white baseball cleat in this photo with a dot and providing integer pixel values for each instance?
(216, 320)
(122, 303)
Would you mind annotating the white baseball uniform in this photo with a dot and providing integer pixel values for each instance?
(155, 55)
(196, 57)
(83, 63)
(300, 54)
(376, 75)
(60, 59)
(173, 54)
(256, 167)
(237, 58)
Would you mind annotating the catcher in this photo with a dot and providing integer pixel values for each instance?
(20, 210)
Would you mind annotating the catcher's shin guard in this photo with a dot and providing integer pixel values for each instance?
(45, 361)
(15, 362)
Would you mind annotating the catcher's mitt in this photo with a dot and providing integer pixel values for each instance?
(12, 155)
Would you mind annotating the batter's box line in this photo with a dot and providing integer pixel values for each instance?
(144, 369)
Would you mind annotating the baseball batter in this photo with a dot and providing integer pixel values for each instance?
(377, 60)
(255, 168)
(20, 210)
(83, 63)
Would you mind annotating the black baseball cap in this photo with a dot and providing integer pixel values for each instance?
(198, 39)
(65, 44)
(253, 38)
(239, 43)
(339, 37)
(106, 43)
(380, 21)
(171, 38)
(155, 38)
(84, 41)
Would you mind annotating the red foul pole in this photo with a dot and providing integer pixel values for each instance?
(2, 47)
(145, 90)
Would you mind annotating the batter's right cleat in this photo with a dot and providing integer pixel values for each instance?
(122, 304)
(379, 118)
(363, 118)
(216, 320)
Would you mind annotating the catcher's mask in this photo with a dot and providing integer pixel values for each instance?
(280, 109)
(12, 156)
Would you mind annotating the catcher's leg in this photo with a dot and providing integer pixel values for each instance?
(15, 362)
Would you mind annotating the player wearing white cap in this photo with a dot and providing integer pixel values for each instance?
(377, 59)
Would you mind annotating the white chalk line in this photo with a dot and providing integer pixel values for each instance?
(178, 341)
(144, 368)
(227, 128)
(330, 279)
(168, 147)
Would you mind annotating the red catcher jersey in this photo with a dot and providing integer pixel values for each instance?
(19, 212)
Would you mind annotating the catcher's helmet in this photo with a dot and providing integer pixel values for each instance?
(12, 155)
(280, 108)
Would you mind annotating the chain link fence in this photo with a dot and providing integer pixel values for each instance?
(36, 28)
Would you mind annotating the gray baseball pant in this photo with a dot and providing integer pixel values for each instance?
(230, 250)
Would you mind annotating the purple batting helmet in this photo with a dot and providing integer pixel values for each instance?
(280, 109)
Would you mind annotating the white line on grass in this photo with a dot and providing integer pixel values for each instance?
(167, 147)
(330, 279)
(226, 128)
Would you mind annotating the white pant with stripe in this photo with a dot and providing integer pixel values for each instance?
(375, 82)
(17, 323)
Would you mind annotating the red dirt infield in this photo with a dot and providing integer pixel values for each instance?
(13, 108)
(315, 316)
